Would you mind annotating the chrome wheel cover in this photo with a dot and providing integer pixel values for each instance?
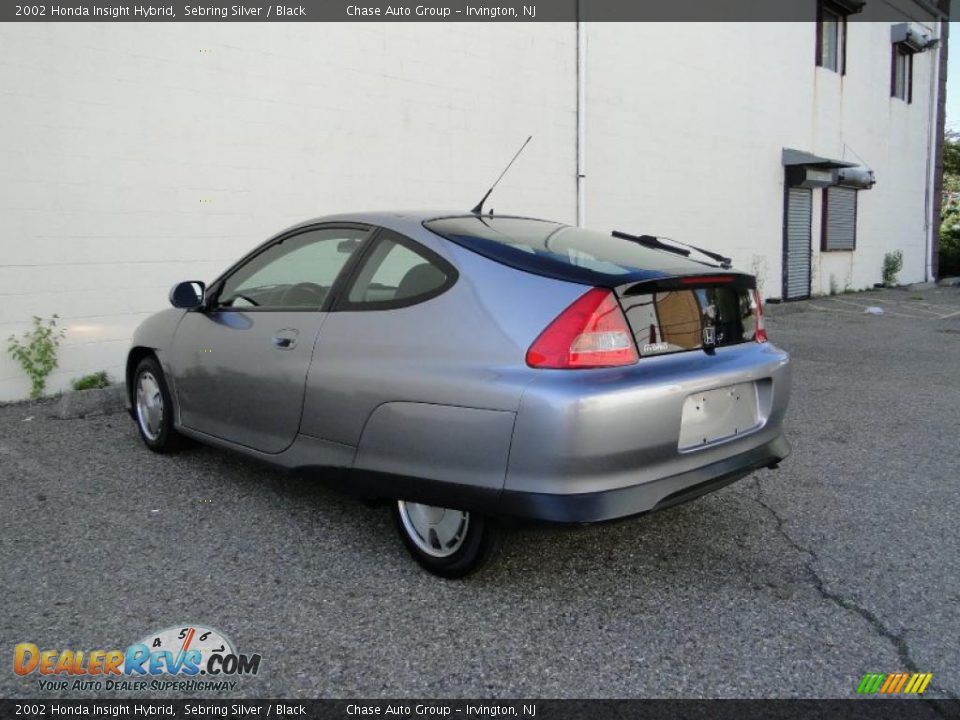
(149, 405)
(438, 532)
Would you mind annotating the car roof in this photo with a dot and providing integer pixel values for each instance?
(398, 220)
(644, 263)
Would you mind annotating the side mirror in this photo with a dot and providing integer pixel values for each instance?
(187, 295)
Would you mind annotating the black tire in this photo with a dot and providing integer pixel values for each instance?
(165, 438)
(480, 543)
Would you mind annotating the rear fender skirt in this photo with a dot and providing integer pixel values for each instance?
(462, 445)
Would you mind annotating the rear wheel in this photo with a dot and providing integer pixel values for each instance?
(449, 543)
(153, 409)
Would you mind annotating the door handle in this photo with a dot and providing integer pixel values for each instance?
(285, 339)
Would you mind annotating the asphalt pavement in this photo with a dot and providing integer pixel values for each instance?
(790, 583)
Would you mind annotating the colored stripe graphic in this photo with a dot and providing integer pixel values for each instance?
(894, 684)
(890, 682)
(870, 683)
(898, 683)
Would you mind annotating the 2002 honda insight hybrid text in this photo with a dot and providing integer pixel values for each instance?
(472, 367)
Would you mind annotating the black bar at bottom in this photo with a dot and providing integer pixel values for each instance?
(865, 708)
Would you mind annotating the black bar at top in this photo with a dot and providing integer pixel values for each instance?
(741, 11)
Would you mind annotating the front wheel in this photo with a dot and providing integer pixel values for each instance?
(153, 409)
(449, 543)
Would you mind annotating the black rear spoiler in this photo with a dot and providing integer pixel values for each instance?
(656, 243)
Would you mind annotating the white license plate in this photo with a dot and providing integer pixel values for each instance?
(720, 414)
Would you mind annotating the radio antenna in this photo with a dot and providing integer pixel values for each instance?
(478, 209)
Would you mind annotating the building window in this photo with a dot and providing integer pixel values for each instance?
(839, 229)
(831, 37)
(901, 80)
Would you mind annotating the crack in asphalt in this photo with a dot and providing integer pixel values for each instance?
(898, 641)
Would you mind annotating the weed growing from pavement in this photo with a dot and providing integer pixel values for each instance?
(93, 381)
(892, 265)
(36, 351)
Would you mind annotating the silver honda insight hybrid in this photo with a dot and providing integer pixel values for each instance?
(469, 368)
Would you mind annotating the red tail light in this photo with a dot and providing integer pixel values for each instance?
(591, 333)
(760, 334)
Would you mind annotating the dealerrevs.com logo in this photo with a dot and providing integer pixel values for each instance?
(190, 657)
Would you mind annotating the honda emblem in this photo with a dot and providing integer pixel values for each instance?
(709, 336)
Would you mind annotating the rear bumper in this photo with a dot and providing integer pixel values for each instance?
(643, 497)
(597, 445)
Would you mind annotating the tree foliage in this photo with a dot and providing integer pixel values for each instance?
(950, 206)
(951, 153)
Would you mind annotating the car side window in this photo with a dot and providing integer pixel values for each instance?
(293, 274)
(398, 273)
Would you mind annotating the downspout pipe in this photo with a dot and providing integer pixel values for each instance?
(581, 117)
(935, 178)
(929, 240)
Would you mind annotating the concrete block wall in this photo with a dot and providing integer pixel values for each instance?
(138, 155)
(687, 122)
(135, 156)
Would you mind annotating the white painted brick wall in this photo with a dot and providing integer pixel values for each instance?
(134, 156)
(687, 121)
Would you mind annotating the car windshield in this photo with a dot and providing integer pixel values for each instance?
(557, 250)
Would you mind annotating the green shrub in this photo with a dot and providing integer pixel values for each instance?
(93, 381)
(950, 207)
(36, 351)
(892, 265)
(950, 237)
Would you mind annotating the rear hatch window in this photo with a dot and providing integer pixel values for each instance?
(563, 252)
(690, 313)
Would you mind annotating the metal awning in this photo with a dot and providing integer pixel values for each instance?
(847, 7)
(793, 158)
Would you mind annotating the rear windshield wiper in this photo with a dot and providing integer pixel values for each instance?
(651, 242)
(655, 242)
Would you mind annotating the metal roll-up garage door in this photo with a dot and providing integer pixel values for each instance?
(796, 261)
(840, 226)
